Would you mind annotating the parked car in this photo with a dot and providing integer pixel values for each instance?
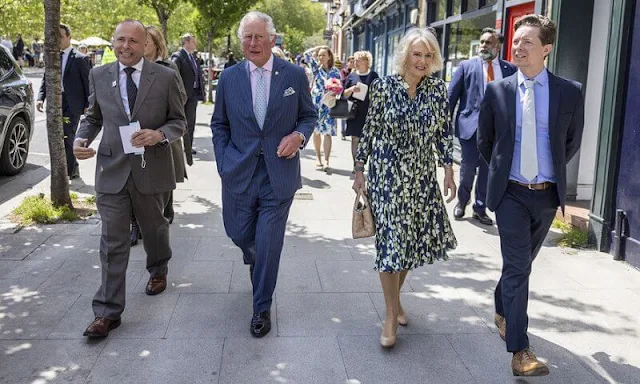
(16, 115)
(215, 73)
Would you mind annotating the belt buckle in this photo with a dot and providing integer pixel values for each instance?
(530, 188)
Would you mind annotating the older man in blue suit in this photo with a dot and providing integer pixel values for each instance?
(467, 87)
(263, 117)
(530, 127)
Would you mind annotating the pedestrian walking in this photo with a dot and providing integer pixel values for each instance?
(140, 99)
(18, 49)
(192, 78)
(361, 77)
(263, 117)
(323, 70)
(467, 87)
(406, 136)
(530, 126)
(75, 68)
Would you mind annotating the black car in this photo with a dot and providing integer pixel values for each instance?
(16, 115)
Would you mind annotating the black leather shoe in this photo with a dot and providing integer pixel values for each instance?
(260, 324)
(482, 218)
(251, 273)
(135, 234)
(458, 211)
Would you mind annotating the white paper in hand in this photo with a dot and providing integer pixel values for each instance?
(126, 131)
(362, 93)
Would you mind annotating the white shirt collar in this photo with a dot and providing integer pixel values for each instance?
(67, 50)
(137, 66)
(268, 65)
(495, 61)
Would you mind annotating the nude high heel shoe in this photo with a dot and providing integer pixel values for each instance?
(388, 342)
(403, 320)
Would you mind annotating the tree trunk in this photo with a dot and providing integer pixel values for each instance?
(210, 49)
(55, 134)
(163, 18)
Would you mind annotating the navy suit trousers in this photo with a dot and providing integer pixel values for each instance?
(69, 127)
(471, 161)
(256, 220)
(524, 217)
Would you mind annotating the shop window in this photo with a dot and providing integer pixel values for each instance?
(394, 41)
(472, 5)
(441, 9)
(378, 61)
(456, 7)
(463, 40)
(488, 3)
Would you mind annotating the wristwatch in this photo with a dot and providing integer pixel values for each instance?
(301, 137)
(164, 140)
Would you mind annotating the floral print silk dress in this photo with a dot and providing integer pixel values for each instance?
(405, 140)
(326, 124)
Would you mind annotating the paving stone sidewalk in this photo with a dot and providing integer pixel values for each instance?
(584, 308)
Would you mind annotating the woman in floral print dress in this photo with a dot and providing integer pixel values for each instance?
(323, 70)
(405, 137)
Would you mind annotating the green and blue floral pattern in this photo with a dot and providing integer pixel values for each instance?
(405, 140)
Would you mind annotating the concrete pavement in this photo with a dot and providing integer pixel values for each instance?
(584, 308)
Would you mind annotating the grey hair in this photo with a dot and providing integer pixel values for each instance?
(185, 38)
(416, 35)
(255, 15)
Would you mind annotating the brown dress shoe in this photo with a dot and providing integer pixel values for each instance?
(501, 323)
(100, 327)
(525, 363)
(156, 285)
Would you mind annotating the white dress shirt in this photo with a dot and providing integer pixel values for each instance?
(123, 82)
(63, 63)
(497, 71)
(268, 67)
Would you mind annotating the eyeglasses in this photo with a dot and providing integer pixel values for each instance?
(258, 37)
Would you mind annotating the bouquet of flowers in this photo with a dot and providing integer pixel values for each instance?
(333, 88)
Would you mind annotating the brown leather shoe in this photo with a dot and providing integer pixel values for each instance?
(501, 323)
(525, 363)
(101, 326)
(156, 285)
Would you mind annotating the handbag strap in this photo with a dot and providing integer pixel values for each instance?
(365, 202)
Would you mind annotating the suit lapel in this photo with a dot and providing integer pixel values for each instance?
(554, 104)
(146, 80)
(72, 56)
(480, 79)
(275, 89)
(504, 68)
(115, 79)
(244, 87)
(512, 88)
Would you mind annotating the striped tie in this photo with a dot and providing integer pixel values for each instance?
(260, 103)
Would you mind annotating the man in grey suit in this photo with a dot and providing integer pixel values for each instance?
(263, 116)
(127, 91)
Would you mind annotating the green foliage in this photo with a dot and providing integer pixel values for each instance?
(90, 199)
(573, 237)
(293, 39)
(22, 16)
(73, 196)
(37, 209)
(301, 15)
(182, 21)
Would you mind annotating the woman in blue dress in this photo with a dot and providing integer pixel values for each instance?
(406, 136)
(323, 70)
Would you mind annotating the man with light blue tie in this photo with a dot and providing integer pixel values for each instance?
(467, 87)
(263, 116)
(530, 126)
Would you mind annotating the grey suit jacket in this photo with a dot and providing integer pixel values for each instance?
(158, 106)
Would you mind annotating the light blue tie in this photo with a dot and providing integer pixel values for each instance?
(260, 103)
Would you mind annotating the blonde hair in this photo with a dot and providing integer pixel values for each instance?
(364, 55)
(278, 52)
(413, 36)
(158, 41)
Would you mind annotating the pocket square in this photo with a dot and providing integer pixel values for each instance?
(288, 92)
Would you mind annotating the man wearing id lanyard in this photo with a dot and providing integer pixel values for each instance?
(138, 104)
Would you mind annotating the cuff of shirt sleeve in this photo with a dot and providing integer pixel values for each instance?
(303, 137)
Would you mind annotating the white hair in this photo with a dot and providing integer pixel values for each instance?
(417, 35)
(253, 16)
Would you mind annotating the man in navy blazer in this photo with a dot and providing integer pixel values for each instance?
(530, 126)
(263, 116)
(468, 87)
(75, 94)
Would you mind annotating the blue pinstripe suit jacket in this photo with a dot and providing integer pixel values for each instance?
(238, 141)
